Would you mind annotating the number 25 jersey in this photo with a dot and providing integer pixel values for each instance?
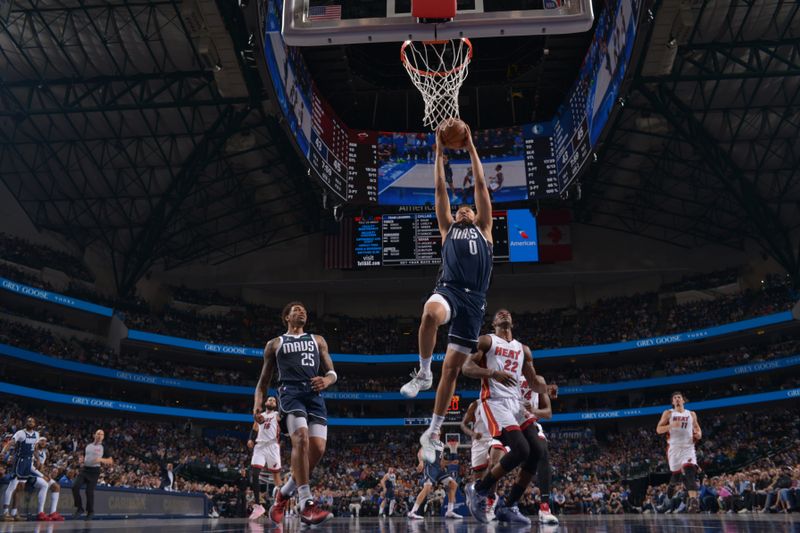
(506, 357)
(298, 358)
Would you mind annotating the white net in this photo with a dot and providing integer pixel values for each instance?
(437, 69)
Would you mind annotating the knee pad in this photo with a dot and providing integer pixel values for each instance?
(690, 477)
(520, 450)
(318, 431)
(294, 422)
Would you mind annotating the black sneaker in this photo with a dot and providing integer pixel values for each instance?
(77, 514)
(89, 516)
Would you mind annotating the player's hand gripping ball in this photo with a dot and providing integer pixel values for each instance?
(453, 133)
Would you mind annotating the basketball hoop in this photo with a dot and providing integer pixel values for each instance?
(453, 445)
(437, 69)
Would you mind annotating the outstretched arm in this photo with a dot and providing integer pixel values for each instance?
(536, 385)
(483, 202)
(267, 369)
(443, 215)
(320, 383)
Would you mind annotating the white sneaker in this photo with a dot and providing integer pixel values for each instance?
(419, 381)
(258, 512)
(414, 516)
(430, 446)
(545, 516)
(454, 515)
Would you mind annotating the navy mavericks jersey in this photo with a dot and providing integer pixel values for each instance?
(298, 358)
(24, 444)
(466, 258)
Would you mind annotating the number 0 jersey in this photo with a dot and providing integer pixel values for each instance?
(506, 357)
(466, 259)
(298, 358)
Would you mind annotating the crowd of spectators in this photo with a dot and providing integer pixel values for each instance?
(155, 363)
(38, 256)
(592, 470)
(609, 320)
(141, 451)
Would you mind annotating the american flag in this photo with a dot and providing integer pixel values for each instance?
(339, 246)
(332, 12)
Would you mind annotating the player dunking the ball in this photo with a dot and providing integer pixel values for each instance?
(682, 430)
(460, 294)
(300, 358)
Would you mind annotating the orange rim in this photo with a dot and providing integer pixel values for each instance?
(404, 59)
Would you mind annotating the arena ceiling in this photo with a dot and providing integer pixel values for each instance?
(144, 127)
(707, 145)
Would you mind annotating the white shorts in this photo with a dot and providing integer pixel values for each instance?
(267, 456)
(481, 450)
(502, 414)
(526, 418)
(680, 456)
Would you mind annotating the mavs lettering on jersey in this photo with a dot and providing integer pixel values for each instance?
(298, 358)
(466, 258)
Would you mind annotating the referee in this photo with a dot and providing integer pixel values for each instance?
(95, 456)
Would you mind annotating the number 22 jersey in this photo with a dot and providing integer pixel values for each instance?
(506, 357)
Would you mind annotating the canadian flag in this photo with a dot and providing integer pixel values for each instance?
(555, 243)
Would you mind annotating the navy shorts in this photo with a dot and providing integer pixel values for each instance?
(466, 315)
(435, 474)
(299, 399)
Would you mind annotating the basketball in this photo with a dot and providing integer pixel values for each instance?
(454, 133)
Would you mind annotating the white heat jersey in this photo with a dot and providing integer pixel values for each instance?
(681, 428)
(268, 430)
(506, 357)
(527, 394)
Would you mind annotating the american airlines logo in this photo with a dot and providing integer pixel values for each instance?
(525, 236)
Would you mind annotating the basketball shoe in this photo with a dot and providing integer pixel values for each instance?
(512, 515)
(430, 445)
(419, 381)
(545, 516)
(312, 515)
(278, 508)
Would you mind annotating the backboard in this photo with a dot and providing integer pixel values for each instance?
(336, 22)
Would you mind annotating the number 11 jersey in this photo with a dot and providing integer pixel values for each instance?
(506, 357)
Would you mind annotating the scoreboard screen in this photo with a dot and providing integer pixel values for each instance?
(524, 162)
(414, 239)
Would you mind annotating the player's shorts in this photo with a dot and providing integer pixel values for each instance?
(502, 414)
(435, 474)
(24, 470)
(481, 449)
(299, 399)
(680, 456)
(466, 311)
(389, 494)
(267, 456)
